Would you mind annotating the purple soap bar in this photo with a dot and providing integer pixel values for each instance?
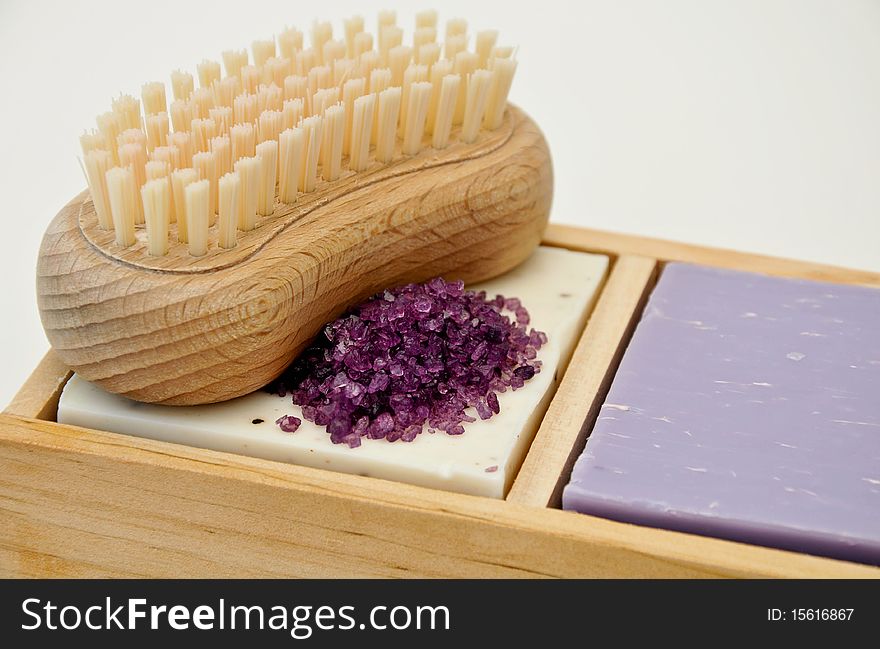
(746, 407)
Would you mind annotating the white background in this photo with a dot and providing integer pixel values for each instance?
(752, 124)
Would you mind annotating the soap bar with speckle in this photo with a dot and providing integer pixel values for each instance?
(745, 407)
(557, 286)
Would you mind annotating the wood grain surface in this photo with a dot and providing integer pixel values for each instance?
(78, 502)
(38, 397)
(82, 503)
(177, 337)
(618, 243)
(574, 409)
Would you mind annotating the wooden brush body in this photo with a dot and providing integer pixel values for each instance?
(187, 330)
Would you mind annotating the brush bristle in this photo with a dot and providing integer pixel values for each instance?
(297, 109)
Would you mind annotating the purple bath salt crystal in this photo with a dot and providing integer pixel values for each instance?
(288, 423)
(414, 357)
(492, 400)
(482, 408)
(422, 304)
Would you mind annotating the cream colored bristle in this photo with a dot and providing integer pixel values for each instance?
(129, 110)
(183, 142)
(248, 170)
(263, 51)
(225, 91)
(321, 33)
(157, 169)
(504, 70)
(313, 127)
(209, 73)
(276, 70)
(122, 195)
(304, 61)
(363, 42)
(380, 79)
(234, 61)
(426, 18)
(413, 74)
(456, 27)
(91, 140)
(181, 115)
(368, 61)
(251, 78)
(291, 143)
(160, 169)
(227, 219)
(267, 154)
(202, 130)
(205, 165)
(449, 89)
(110, 126)
(464, 66)
(289, 117)
(484, 45)
(243, 141)
(454, 45)
(343, 70)
(181, 85)
(223, 118)
(221, 147)
(269, 125)
(351, 90)
(320, 77)
(352, 27)
(154, 195)
(244, 109)
(323, 99)
(153, 98)
(389, 114)
(132, 136)
(424, 36)
(416, 113)
(269, 97)
(398, 59)
(505, 52)
(296, 87)
(428, 54)
(157, 130)
(385, 18)
(475, 104)
(202, 100)
(290, 41)
(390, 36)
(169, 154)
(134, 156)
(331, 148)
(362, 125)
(198, 209)
(439, 70)
(333, 50)
(267, 71)
(180, 179)
(97, 163)
(292, 112)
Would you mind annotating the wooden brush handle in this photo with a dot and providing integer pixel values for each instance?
(183, 331)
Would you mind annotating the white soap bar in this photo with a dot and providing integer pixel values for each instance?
(557, 286)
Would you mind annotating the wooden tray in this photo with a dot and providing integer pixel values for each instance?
(84, 503)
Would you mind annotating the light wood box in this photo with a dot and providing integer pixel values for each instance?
(85, 503)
